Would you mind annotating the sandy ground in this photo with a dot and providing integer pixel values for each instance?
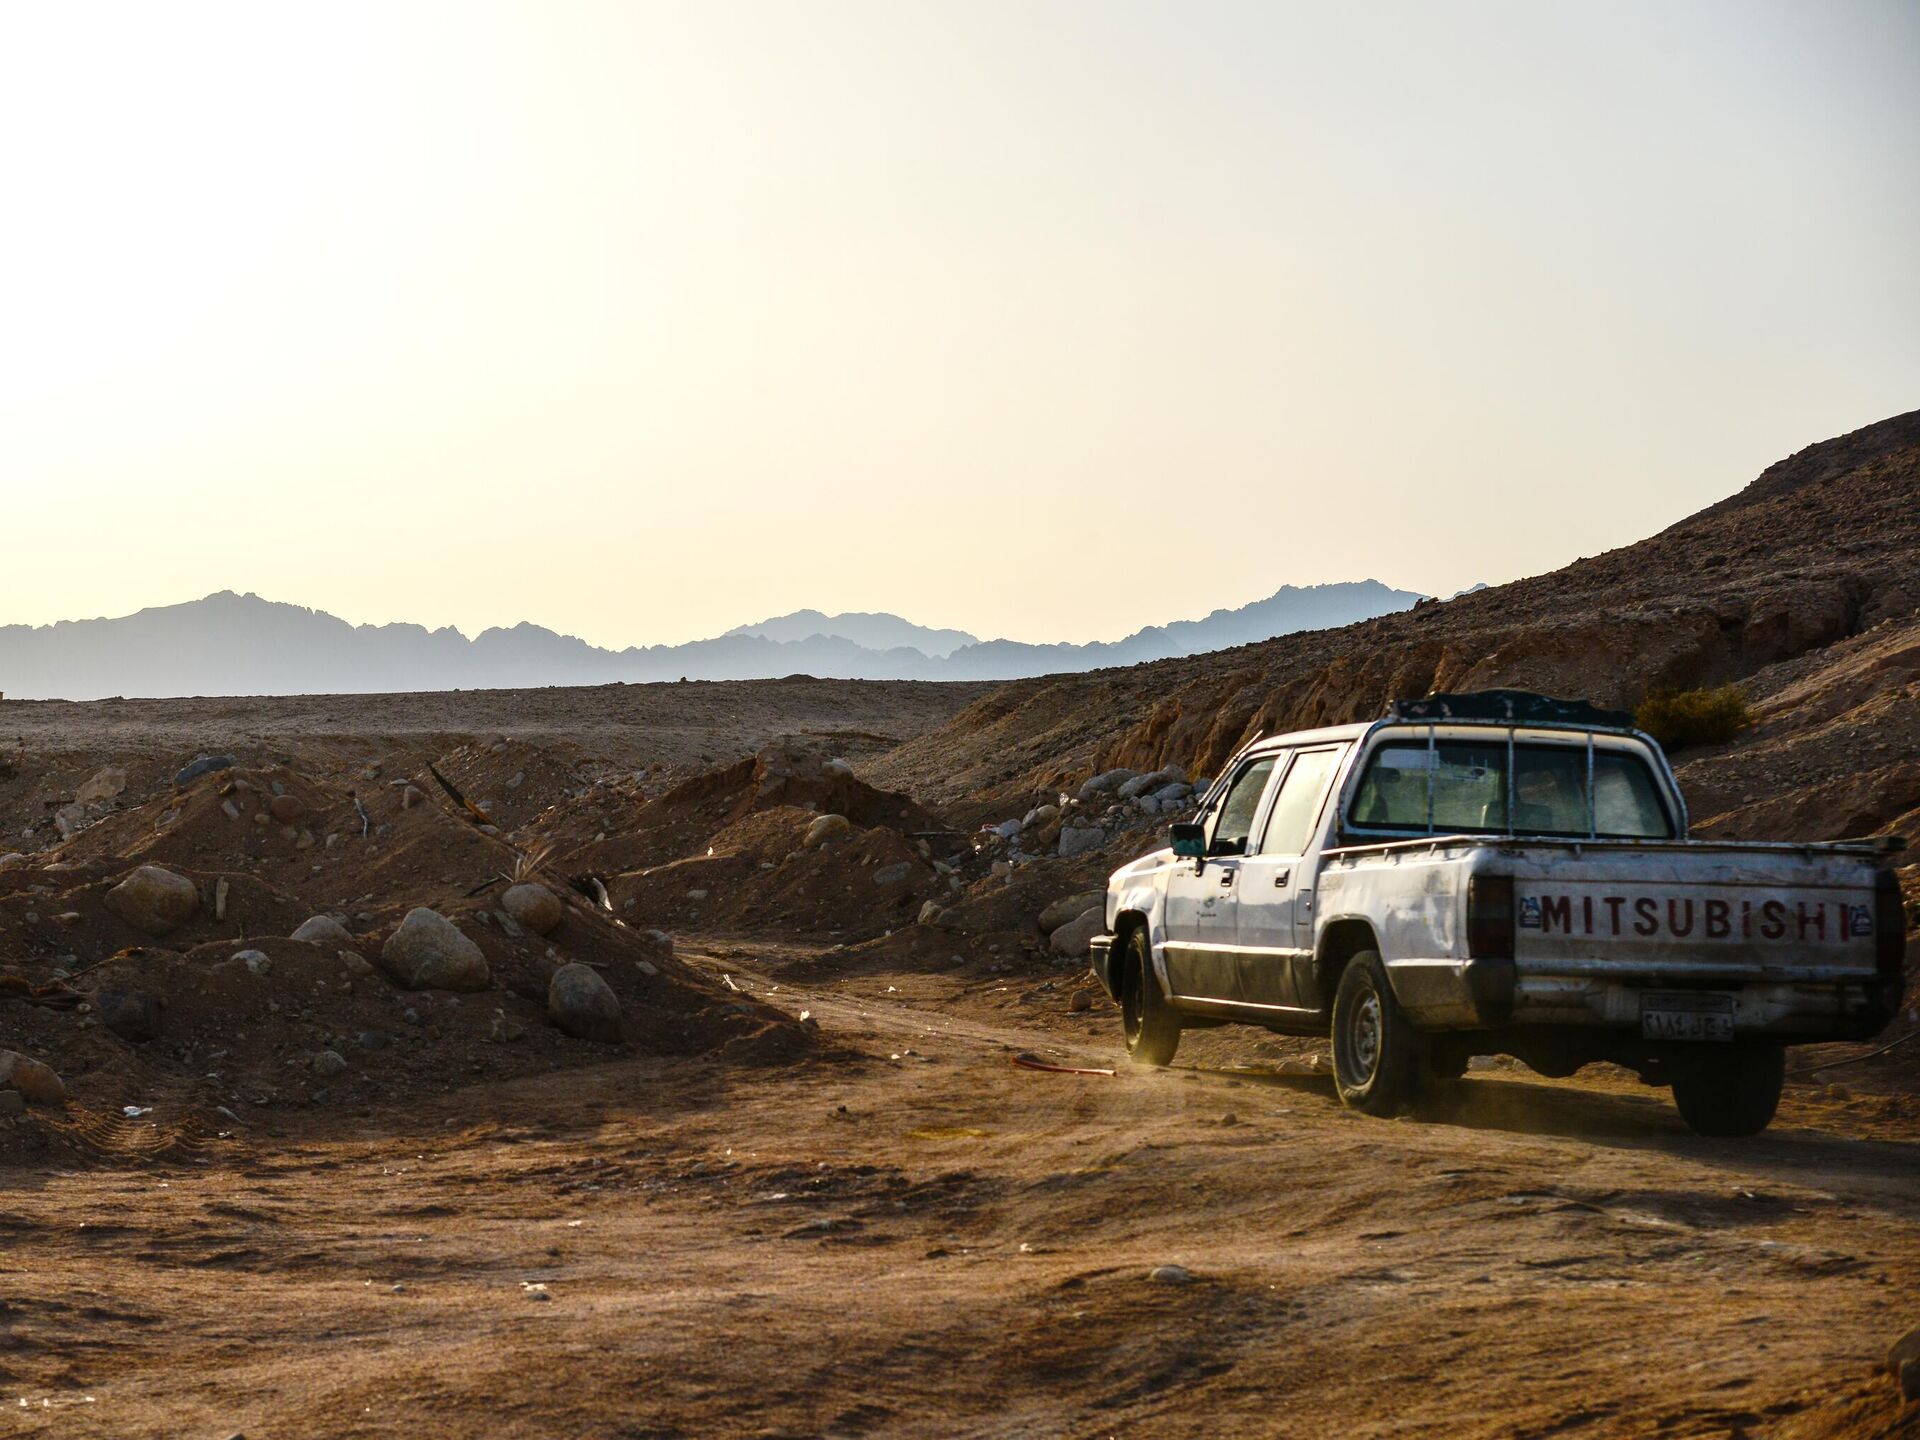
(686, 724)
(907, 1235)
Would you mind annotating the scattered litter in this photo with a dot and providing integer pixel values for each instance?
(134, 1112)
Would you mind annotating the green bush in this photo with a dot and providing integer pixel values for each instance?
(1680, 718)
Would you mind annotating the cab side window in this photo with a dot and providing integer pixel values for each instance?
(1297, 806)
(1238, 807)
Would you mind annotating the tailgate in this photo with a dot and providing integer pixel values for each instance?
(1700, 911)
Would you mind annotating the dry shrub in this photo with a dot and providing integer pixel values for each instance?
(1680, 718)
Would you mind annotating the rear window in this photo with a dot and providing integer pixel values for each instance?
(1461, 786)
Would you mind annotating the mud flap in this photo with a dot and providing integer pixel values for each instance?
(1100, 956)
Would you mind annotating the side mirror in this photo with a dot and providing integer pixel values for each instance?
(1189, 840)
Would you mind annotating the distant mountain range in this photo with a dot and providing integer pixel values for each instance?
(230, 644)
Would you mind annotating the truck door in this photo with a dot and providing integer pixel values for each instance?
(1200, 895)
(1274, 912)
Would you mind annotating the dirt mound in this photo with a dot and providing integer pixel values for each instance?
(688, 819)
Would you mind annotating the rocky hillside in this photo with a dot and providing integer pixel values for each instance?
(1803, 588)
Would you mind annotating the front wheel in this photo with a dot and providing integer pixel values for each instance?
(1151, 1025)
(1734, 1092)
(1377, 1055)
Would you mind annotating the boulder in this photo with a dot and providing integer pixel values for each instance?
(429, 952)
(130, 1014)
(324, 930)
(288, 809)
(1071, 908)
(534, 906)
(1040, 815)
(1079, 839)
(1007, 829)
(1903, 1363)
(154, 901)
(36, 1083)
(1072, 938)
(1105, 783)
(893, 874)
(105, 784)
(1172, 794)
(824, 828)
(204, 765)
(1154, 780)
(580, 1003)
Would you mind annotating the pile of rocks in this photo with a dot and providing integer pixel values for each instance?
(1091, 817)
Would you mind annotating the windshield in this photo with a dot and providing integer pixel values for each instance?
(1461, 786)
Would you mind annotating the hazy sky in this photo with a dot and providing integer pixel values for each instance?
(1044, 320)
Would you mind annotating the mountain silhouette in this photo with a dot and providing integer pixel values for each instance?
(228, 644)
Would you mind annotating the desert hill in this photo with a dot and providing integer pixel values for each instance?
(1803, 587)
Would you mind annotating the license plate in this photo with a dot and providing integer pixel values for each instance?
(1686, 1017)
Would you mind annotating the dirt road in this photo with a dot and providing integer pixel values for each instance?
(909, 1236)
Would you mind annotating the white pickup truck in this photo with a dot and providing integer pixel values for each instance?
(1499, 873)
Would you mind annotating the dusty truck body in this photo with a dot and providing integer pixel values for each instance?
(1499, 873)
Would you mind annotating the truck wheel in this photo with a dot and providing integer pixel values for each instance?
(1732, 1094)
(1377, 1055)
(1152, 1026)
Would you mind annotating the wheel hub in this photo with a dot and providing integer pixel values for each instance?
(1364, 1035)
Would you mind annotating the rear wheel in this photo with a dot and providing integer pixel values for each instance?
(1151, 1025)
(1733, 1092)
(1377, 1056)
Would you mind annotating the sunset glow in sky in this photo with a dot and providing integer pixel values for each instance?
(1043, 320)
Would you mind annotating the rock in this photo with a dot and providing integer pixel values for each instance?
(130, 1014)
(1171, 794)
(288, 809)
(1007, 829)
(1040, 815)
(1141, 784)
(1903, 1363)
(534, 906)
(70, 820)
(324, 930)
(930, 913)
(12, 1104)
(154, 901)
(836, 766)
(1170, 1275)
(357, 965)
(583, 1005)
(1105, 783)
(1080, 1000)
(429, 952)
(371, 1040)
(893, 874)
(411, 796)
(258, 962)
(1079, 839)
(824, 828)
(37, 1083)
(1072, 938)
(329, 1062)
(106, 783)
(1071, 908)
(204, 765)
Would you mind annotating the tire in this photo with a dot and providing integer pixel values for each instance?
(1732, 1094)
(1378, 1058)
(1151, 1026)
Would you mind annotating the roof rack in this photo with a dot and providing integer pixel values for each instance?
(1510, 707)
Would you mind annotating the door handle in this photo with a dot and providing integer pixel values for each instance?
(1281, 877)
(1226, 874)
